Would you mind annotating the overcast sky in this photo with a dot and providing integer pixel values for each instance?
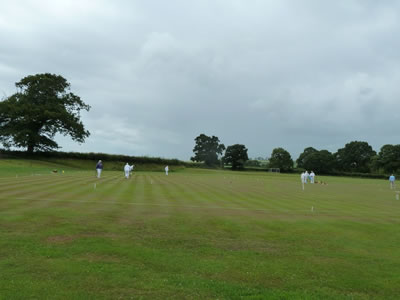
(265, 74)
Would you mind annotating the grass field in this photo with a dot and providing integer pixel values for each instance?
(195, 234)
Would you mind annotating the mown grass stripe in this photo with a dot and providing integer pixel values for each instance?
(327, 212)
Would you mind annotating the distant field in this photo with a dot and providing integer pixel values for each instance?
(194, 234)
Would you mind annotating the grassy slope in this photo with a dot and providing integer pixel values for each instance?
(22, 167)
(13, 167)
(195, 234)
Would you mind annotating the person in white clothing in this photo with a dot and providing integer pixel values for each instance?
(303, 179)
(127, 170)
(312, 176)
(166, 170)
(306, 175)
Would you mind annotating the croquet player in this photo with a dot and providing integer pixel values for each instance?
(127, 170)
(312, 176)
(99, 168)
(166, 170)
(303, 179)
(391, 180)
(307, 176)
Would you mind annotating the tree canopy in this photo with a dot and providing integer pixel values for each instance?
(321, 161)
(389, 158)
(281, 159)
(42, 107)
(207, 149)
(303, 158)
(355, 156)
(236, 155)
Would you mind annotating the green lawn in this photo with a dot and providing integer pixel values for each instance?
(195, 234)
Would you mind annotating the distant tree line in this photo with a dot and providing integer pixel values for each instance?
(354, 157)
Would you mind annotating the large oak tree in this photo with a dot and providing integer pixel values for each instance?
(42, 107)
(321, 161)
(236, 155)
(389, 158)
(281, 159)
(207, 149)
(355, 156)
(302, 161)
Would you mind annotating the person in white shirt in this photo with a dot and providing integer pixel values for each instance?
(312, 177)
(127, 170)
(306, 175)
(166, 170)
(303, 179)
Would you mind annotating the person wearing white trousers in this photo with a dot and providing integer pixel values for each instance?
(99, 168)
(306, 176)
(312, 176)
(303, 179)
(127, 170)
(166, 170)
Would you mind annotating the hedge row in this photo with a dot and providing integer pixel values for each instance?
(95, 157)
(361, 175)
(348, 174)
(334, 173)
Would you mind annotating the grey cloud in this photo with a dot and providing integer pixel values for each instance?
(263, 73)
